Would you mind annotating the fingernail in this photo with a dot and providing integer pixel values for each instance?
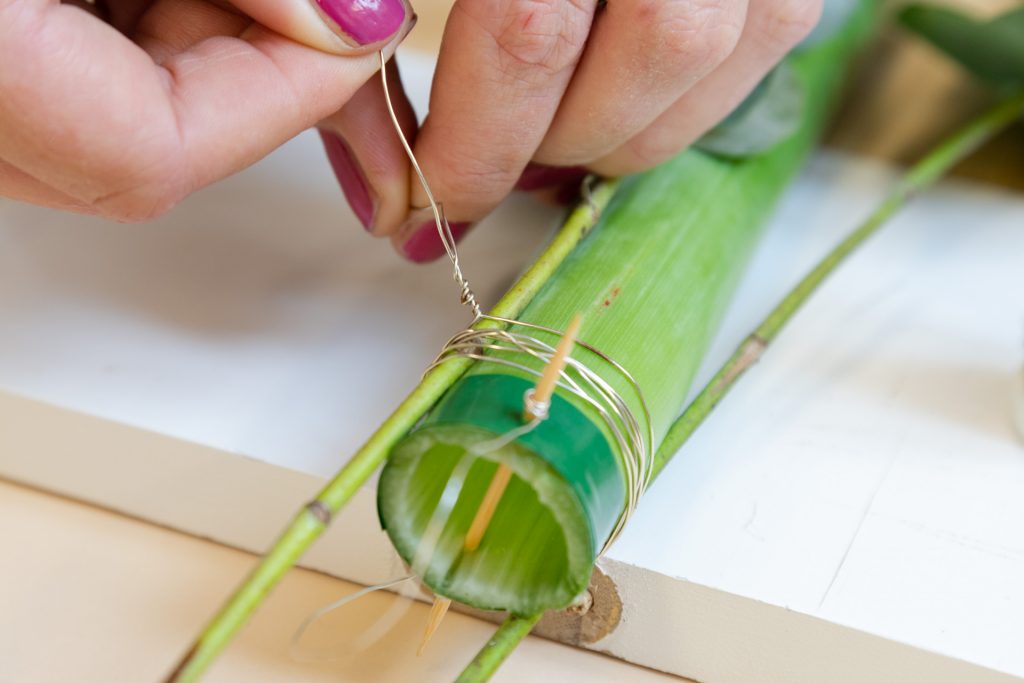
(568, 194)
(350, 177)
(365, 21)
(539, 176)
(424, 243)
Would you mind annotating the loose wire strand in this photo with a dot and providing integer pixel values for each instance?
(373, 633)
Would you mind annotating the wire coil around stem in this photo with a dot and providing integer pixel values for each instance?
(635, 439)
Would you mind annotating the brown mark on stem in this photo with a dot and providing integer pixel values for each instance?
(587, 190)
(320, 511)
(751, 352)
(612, 296)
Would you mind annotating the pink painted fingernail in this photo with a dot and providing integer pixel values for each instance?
(351, 178)
(424, 244)
(365, 21)
(568, 194)
(539, 176)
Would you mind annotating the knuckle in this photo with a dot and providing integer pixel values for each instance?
(140, 201)
(486, 182)
(700, 34)
(139, 179)
(789, 21)
(541, 36)
(649, 149)
(471, 185)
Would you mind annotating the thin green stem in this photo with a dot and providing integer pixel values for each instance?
(311, 521)
(498, 648)
(921, 175)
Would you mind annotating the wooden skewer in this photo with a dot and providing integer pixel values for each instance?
(486, 510)
(549, 378)
(541, 394)
(437, 612)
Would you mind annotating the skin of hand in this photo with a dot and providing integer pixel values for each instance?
(123, 107)
(535, 94)
(120, 108)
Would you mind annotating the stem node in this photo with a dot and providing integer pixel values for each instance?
(321, 512)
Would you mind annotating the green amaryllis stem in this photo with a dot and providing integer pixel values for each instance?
(919, 177)
(311, 521)
(651, 283)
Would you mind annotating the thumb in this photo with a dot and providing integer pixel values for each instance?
(336, 26)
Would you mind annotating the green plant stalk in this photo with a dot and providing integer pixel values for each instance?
(311, 521)
(498, 648)
(919, 177)
(652, 284)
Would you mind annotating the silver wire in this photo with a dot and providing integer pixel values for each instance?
(466, 295)
(635, 441)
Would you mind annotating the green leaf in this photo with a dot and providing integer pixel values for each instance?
(992, 50)
(771, 113)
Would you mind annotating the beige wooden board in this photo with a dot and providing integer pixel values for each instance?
(89, 596)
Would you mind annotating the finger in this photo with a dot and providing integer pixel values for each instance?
(124, 14)
(539, 177)
(86, 6)
(138, 137)
(773, 28)
(337, 26)
(20, 186)
(366, 155)
(172, 26)
(502, 71)
(641, 57)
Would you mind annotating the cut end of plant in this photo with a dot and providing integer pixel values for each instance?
(534, 553)
(501, 524)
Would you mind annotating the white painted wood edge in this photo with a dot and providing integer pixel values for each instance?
(668, 623)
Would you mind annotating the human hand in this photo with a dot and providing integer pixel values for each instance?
(539, 92)
(120, 109)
